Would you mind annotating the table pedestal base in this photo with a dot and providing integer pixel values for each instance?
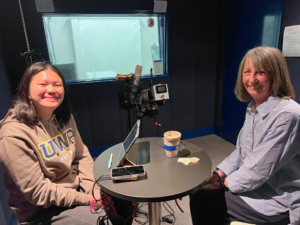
(154, 213)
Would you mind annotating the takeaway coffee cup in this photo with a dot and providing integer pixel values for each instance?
(171, 143)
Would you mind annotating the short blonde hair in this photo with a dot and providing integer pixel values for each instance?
(271, 61)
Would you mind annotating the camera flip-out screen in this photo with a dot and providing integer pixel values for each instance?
(161, 89)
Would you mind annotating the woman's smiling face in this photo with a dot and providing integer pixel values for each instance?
(46, 92)
(257, 83)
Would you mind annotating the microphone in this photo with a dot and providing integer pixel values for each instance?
(137, 78)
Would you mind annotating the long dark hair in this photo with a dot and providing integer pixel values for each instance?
(24, 110)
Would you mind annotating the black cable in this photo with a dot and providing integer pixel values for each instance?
(164, 218)
(96, 181)
(143, 213)
(171, 214)
(101, 219)
(141, 129)
(138, 214)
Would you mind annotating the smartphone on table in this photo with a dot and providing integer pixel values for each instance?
(127, 172)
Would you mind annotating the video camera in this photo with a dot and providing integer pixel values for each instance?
(145, 101)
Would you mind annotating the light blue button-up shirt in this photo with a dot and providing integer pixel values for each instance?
(265, 167)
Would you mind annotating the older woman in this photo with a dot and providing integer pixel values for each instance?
(260, 181)
(48, 170)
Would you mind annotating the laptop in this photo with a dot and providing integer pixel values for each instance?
(129, 141)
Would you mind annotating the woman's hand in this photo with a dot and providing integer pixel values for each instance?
(213, 179)
(104, 202)
(212, 186)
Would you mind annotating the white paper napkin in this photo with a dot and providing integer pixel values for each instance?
(187, 161)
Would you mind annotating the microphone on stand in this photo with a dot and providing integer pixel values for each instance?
(137, 78)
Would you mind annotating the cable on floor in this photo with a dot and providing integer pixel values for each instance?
(170, 218)
(101, 219)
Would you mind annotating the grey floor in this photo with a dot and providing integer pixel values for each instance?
(218, 149)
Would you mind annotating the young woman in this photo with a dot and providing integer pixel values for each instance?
(48, 170)
(261, 177)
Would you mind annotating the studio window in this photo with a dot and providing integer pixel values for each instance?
(89, 48)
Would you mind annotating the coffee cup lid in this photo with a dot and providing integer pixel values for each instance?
(172, 135)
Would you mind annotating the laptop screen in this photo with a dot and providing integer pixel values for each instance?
(130, 139)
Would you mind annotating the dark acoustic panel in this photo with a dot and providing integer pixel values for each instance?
(220, 62)
(182, 66)
(5, 92)
(103, 107)
(291, 17)
(78, 101)
(206, 51)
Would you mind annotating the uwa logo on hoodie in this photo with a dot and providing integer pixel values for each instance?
(61, 142)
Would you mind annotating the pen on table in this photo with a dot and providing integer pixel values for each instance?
(110, 160)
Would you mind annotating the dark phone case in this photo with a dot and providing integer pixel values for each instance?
(138, 170)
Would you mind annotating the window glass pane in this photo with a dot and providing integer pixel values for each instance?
(93, 47)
